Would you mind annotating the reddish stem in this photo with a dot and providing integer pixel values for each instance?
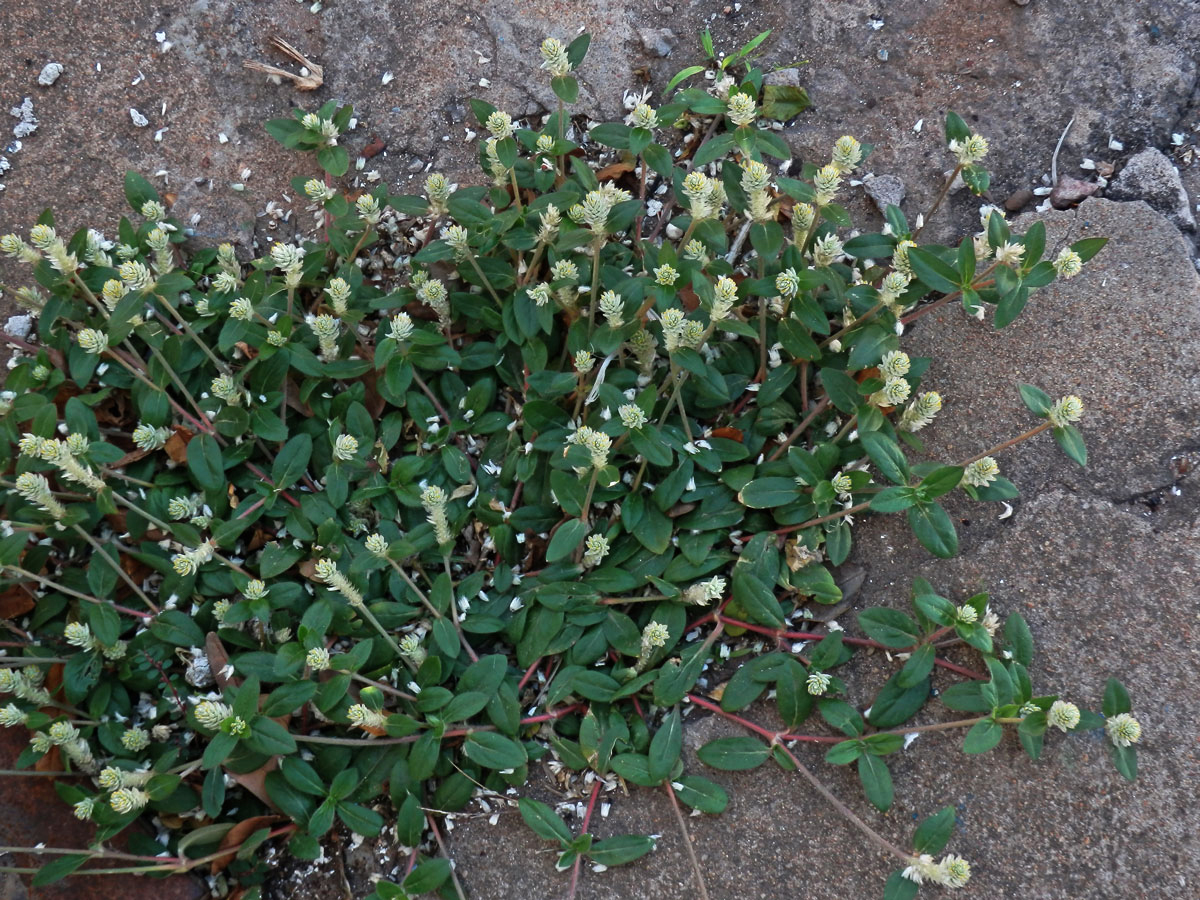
(860, 642)
(528, 673)
(587, 817)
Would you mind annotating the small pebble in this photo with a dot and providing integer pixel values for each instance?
(1018, 200)
(50, 73)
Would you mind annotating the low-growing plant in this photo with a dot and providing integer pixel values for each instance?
(290, 534)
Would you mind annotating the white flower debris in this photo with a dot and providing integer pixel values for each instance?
(28, 121)
(387, 78)
(139, 120)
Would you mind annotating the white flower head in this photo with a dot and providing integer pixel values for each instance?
(345, 447)
(1062, 715)
(1123, 729)
(1068, 263)
(970, 150)
(741, 109)
(1066, 410)
(632, 416)
(401, 327)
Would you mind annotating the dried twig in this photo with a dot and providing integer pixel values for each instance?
(309, 82)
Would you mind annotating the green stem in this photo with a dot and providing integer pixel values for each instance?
(88, 598)
(594, 296)
(478, 271)
(799, 429)
(187, 329)
(116, 567)
(1009, 443)
(164, 527)
(375, 623)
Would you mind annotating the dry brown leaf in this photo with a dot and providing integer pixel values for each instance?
(15, 601)
(218, 661)
(237, 834)
(613, 171)
(176, 445)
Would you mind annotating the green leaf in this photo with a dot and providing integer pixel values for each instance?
(768, 493)
(894, 499)
(1116, 699)
(714, 148)
(465, 704)
(933, 529)
(933, 271)
(977, 179)
(876, 781)
(176, 627)
(288, 698)
(612, 134)
(495, 751)
(213, 794)
(578, 48)
(983, 736)
(784, 101)
(665, 746)
(734, 754)
(269, 737)
(887, 456)
(956, 128)
(1036, 400)
(427, 876)
(918, 666)
(1125, 759)
(932, 835)
(702, 794)
(965, 697)
(842, 716)
(940, 481)
(302, 776)
(334, 160)
(889, 627)
(624, 848)
(842, 390)
(138, 190)
(360, 819)
(205, 463)
(1089, 247)
(292, 461)
(680, 76)
(757, 599)
(1070, 441)
(1020, 639)
(845, 752)
(899, 888)
(870, 246)
(895, 704)
(565, 88)
(59, 869)
(566, 539)
(544, 821)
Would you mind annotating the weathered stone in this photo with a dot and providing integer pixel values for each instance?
(1150, 176)
(789, 77)
(884, 191)
(659, 41)
(1071, 192)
